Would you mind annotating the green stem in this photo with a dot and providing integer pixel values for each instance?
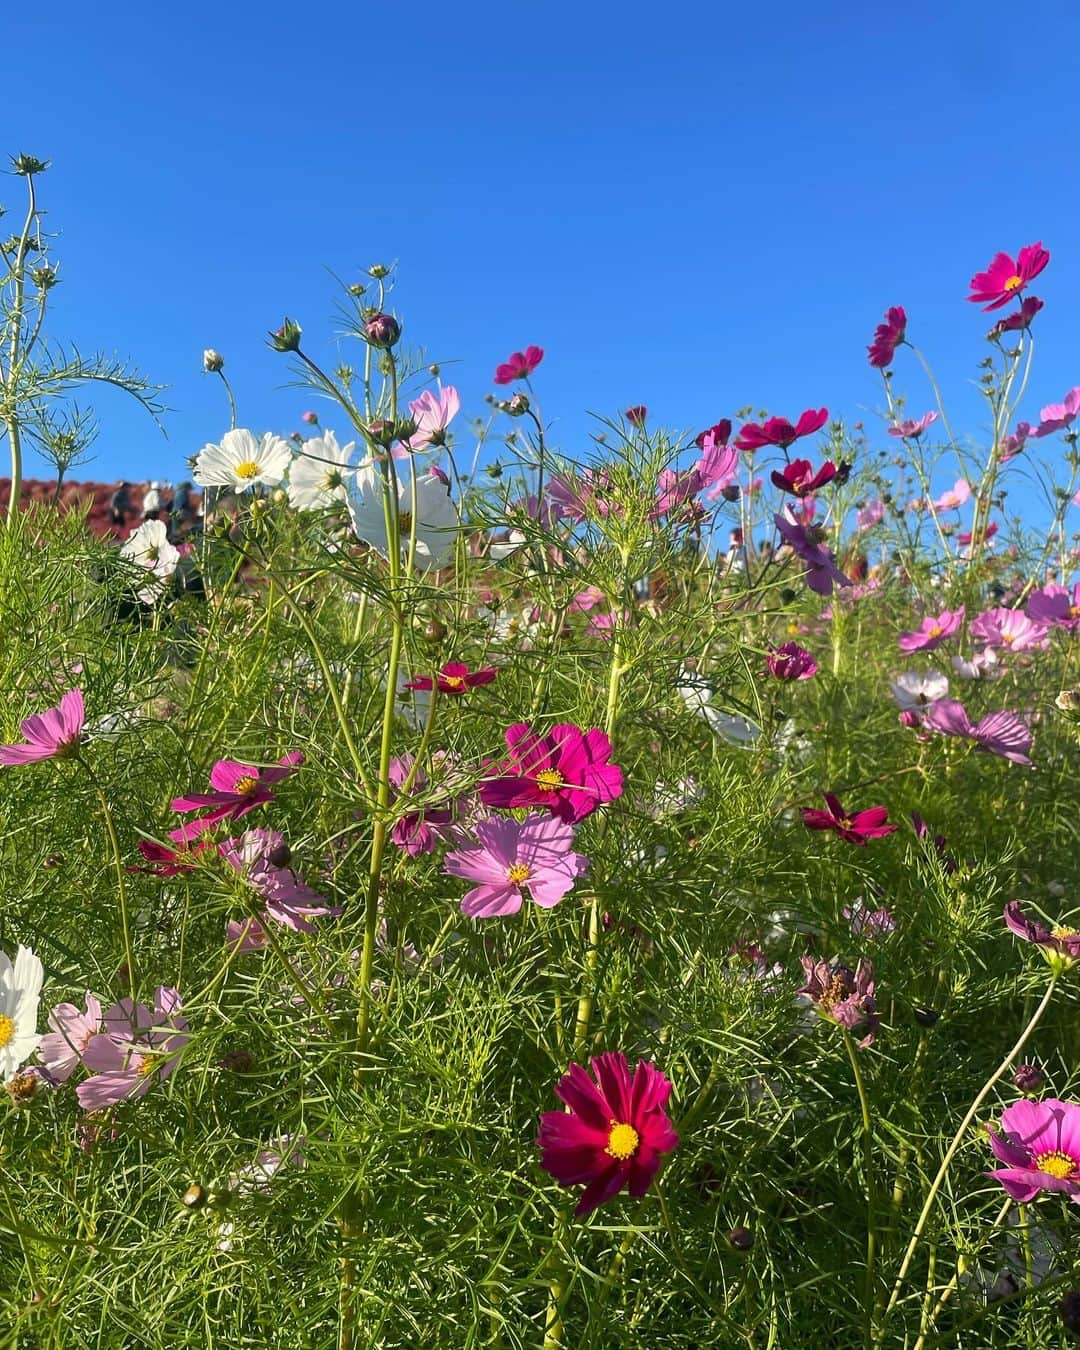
(867, 1147)
(121, 880)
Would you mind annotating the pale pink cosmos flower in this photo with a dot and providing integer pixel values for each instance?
(1059, 416)
(915, 690)
(1012, 444)
(245, 936)
(867, 922)
(51, 734)
(585, 600)
(873, 513)
(512, 857)
(999, 733)
(982, 666)
(932, 632)
(62, 1048)
(432, 414)
(137, 1049)
(289, 901)
(955, 497)
(1055, 606)
(1008, 628)
(911, 428)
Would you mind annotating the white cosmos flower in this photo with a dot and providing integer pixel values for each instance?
(696, 694)
(504, 547)
(318, 475)
(915, 690)
(241, 461)
(436, 515)
(982, 666)
(20, 986)
(148, 547)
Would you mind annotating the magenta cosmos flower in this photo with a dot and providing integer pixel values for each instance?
(636, 415)
(454, 678)
(932, 632)
(791, 662)
(1006, 277)
(1040, 1143)
(419, 830)
(432, 414)
(1055, 606)
(615, 1132)
(857, 828)
(137, 1049)
(519, 366)
(913, 427)
(162, 861)
(51, 734)
(799, 479)
(62, 1048)
(1019, 319)
(1058, 941)
(843, 996)
(1009, 628)
(1059, 416)
(887, 337)
(511, 857)
(822, 572)
(779, 431)
(998, 733)
(238, 789)
(566, 770)
(718, 434)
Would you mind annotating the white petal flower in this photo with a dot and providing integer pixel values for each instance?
(982, 666)
(436, 515)
(241, 461)
(696, 693)
(319, 474)
(148, 547)
(20, 986)
(913, 689)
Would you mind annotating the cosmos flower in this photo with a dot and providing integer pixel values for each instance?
(1055, 606)
(432, 414)
(887, 337)
(913, 689)
(955, 497)
(790, 662)
(1010, 629)
(1060, 941)
(911, 428)
(319, 474)
(436, 522)
(716, 435)
(1012, 444)
(52, 734)
(148, 547)
(799, 479)
(20, 988)
(933, 843)
(137, 1048)
(513, 857)
(519, 366)
(867, 922)
(1019, 319)
(983, 665)
(873, 513)
(237, 789)
(841, 995)
(1006, 277)
(779, 431)
(615, 1132)
(454, 678)
(932, 632)
(240, 461)
(822, 572)
(288, 900)
(1059, 416)
(418, 830)
(566, 770)
(858, 828)
(62, 1048)
(1040, 1144)
(998, 733)
(636, 415)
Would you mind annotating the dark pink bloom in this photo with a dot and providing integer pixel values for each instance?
(615, 1132)
(719, 434)
(289, 901)
(1059, 416)
(454, 678)
(799, 479)
(511, 857)
(238, 789)
(1013, 443)
(637, 414)
(858, 828)
(1055, 606)
(1019, 319)
(1040, 1143)
(988, 533)
(779, 431)
(1006, 277)
(887, 337)
(791, 662)
(1008, 628)
(565, 770)
(162, 861)
(61, 1050)
(51, 734)
(822, 572)
(1058, 941)
(843, 996)
(519, 366)
(913, 427)
(419, 830)
(932, 632)
(137, 1049)
(999, 733)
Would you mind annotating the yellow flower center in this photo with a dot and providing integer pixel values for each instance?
(1063, 934)
(404, 522)
(1008, 639)
(622, 1141)
(247, 469)
(936, 630)
(1013, 282)
(246, 785)
(7, 1030)
(549, 780)
(517, 873)
(147, 1065)
(833, 993)
(1055, 1164)
(454, 681)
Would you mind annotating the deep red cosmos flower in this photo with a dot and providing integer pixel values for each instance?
(779, 431)
(1006, 277)
(887, 337)
(615, 1132)
(454, 678)
(719, 434)
(857, 828)
(790, 662)
(519, 366)
(637, 414)
(1019, 319)
(799, 479)
(162, 861)
(566, 770)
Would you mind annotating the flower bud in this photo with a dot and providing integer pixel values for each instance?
(405, 429)
(1028, 1077)
(926, 1017)
(356, 290)
(1068, 700)
(280, 855)
(212, 361)
(381, 431)
(237, 1060)
(287, 337)
(382, 330)
(494, 470)
(378, 271)
(44, 277)
(434, 631)
(194, 1197)
(731, 492)
(27, 165)
(517, 405)
(741, 1238)
(311, 418)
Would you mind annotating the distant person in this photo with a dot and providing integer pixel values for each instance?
(151, 502)
(181, 515)
(120, 505)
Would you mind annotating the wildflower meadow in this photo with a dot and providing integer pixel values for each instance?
(466, 890)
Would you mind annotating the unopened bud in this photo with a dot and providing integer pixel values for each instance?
(517, 405)
(1068, 700)
(382, 330)
(1028, 1077)
(212, 361)
(194, 1197)
(926, 1017)
(378, 271)
(311, 418)
(27, 165)
(731, 492)
(741, 1238)
(238, 1060)
(287, 337)
(434, 630)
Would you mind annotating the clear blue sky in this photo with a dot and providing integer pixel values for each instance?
(692, 206)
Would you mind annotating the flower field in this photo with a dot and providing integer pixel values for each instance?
(604, 896)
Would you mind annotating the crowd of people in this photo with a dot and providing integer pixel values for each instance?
(180, 508)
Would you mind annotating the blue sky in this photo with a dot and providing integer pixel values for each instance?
(693, 207)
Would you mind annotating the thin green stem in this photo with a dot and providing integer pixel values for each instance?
(121, 876)
(867, 1149)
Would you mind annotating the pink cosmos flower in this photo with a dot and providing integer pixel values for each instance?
(1019, 320)
(779, 431)
(1059, 941)
(454, 678)
(585, 600)
(511, 857)
(853, 829)
(1040, 1143)
(867, 922)
(574, 498)
(418, 831)
(932, 632)
(137, 1049)
(51, 734)
(62, 1048)
(717, 435)
(841, 995)
(604, 625)
(1059, 416)
(246, 936)
(799, 479)
(1006, 277)
(887, 337)
(790, 662)
(718, 466)
(519, 366)
(566, 770)
(432, 414)
(983, 665)
(238, 789)
(1055, 606)
(636, 415)
(984, 535)
(615, 1132)
(162, 861)
(822, 572)
(998, 733)
(873, 513)
(955, 497)
(674, 490)
(289, 901)
(1012, 444)
(1009, 628)
(913, 427)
